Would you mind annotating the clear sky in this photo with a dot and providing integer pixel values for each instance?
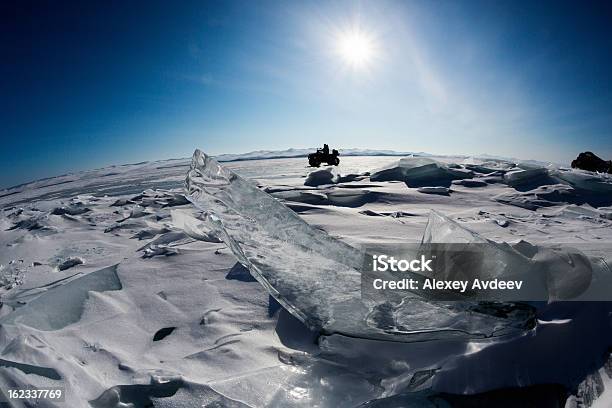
(92, 83)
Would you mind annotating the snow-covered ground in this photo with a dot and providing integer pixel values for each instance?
(106, 292)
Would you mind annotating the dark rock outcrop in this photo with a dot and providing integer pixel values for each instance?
(589, 161)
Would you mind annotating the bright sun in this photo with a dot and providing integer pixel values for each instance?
(355, 47)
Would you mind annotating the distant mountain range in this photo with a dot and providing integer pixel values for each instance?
(278, 154)
(289, 153)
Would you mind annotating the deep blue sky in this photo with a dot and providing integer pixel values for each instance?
(87, 84)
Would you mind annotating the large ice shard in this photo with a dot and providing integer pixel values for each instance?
(462, 254)
(529, 176)
(599, 183)
(318, 278)
(548, 273)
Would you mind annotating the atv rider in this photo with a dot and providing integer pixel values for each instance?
(324, 156)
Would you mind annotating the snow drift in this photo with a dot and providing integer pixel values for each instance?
(421, 172)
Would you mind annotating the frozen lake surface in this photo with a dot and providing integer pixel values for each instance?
(111, 290)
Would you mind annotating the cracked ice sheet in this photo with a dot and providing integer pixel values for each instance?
(314, 276)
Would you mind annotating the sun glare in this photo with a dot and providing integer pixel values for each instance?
(355, 47)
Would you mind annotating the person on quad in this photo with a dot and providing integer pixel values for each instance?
(323, 156)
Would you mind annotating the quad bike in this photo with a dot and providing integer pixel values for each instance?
(323, 156)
